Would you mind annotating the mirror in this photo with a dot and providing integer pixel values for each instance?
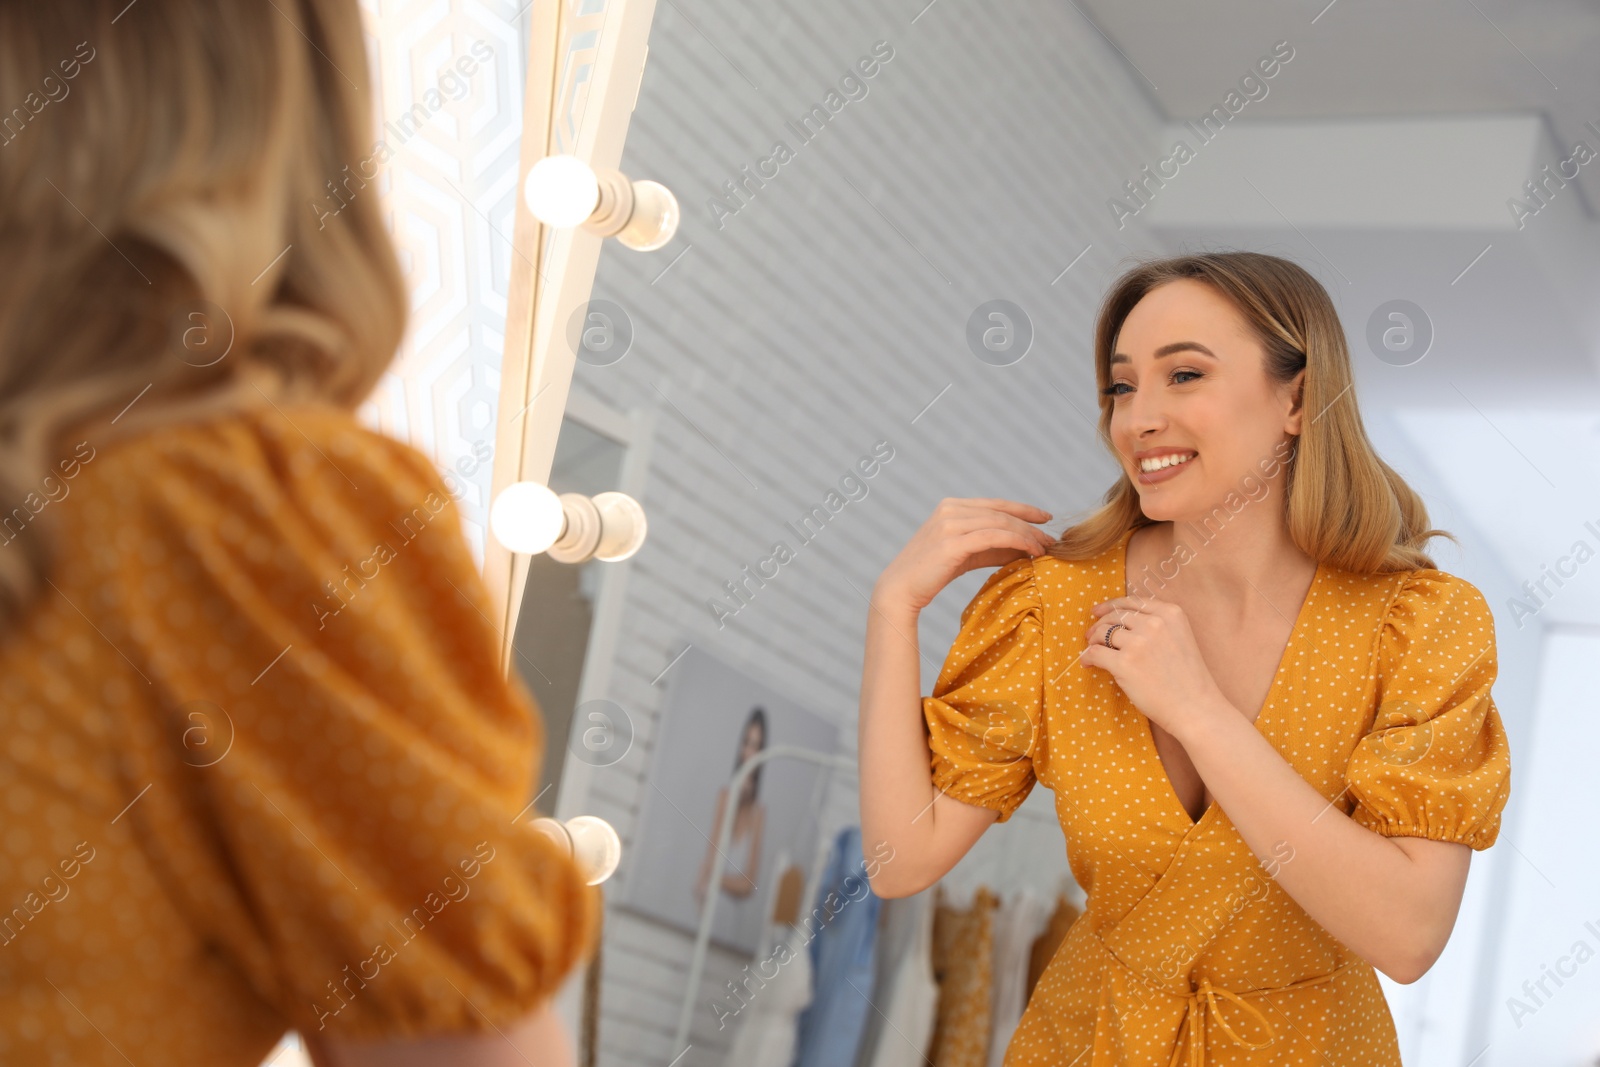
(897, 227)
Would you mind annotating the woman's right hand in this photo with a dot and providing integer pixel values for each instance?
(962, 534)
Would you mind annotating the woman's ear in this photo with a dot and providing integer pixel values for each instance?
(1296, 387)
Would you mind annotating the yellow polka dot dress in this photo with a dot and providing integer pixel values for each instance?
(1188, 951)
(260, 766)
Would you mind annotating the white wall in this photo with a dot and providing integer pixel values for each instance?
(1543, 997)
(1445, 1019)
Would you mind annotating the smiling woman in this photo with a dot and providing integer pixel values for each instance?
(1302, 656)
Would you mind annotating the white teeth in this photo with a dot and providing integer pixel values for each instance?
(1165, 461)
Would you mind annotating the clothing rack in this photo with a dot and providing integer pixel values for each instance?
(814, 873)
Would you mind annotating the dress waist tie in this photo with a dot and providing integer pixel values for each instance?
(1205, 995)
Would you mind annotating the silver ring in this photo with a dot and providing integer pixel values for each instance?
(1109, 630)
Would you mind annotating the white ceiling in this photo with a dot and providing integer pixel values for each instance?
(1370, 57)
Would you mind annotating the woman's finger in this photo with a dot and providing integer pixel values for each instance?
(1011, 507)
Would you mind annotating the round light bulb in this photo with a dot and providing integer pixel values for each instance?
(588, 840)
(561, 191)
(526, 517)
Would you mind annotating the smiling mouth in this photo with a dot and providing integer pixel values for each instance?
(1149, 466)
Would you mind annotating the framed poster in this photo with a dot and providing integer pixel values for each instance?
(714, 718)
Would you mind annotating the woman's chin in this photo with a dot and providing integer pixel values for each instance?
(1159, 510)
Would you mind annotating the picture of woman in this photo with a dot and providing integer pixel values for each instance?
(744, 859)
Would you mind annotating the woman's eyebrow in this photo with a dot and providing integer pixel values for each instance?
(1167, 350)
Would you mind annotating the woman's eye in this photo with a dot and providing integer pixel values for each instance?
(1111, 391)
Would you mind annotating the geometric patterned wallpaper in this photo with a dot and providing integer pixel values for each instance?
(449, 86)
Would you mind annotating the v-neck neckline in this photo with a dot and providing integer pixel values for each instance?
(1152, 753)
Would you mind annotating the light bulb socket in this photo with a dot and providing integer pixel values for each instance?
(611, 214)
(607, 526)
(580, 532)
(643, 215)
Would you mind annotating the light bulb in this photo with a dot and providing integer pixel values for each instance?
(590, 842)
(561, 191)
(526, 517)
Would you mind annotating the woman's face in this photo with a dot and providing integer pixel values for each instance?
(752, 742)
(1213, 404)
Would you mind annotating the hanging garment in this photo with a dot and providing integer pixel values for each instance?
(912, 993)
(843, 925)
(768, 1023)
(1381, 702)
(1046, 944)
(894, 933)
(1017, 923)
(963, 959)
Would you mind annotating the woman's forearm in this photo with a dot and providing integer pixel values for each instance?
(540, 1037)
(1360, 886)
(896, 787)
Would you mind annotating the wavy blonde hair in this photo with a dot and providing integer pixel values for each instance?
(1344, 506)
(161, 169)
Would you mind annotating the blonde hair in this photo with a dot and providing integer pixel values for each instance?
(160, 182)
(1344, 506)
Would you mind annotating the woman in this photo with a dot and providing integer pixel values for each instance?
(1264, 714)
(749, 817)
(262, 768)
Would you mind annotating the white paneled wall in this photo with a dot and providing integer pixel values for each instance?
(826, 314)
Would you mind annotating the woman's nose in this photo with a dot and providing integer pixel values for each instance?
(1145, 411)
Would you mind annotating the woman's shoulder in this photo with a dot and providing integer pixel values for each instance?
(1429, 599)
(283, 437)
(261, 467)
(1411, 596)
(264, 501)
(1074, 585)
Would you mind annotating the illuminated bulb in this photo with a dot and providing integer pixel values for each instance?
(527, 517)
(562, 191)
(588, 840)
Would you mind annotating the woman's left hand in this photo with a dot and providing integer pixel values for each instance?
(1155, 661)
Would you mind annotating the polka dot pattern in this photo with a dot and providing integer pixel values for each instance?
(1187, 950)
(261, 718)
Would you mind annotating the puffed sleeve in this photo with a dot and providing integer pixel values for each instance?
(985, 718)
(1436, 763)
(339, 772)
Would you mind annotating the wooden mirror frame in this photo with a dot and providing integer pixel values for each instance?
(584, 72)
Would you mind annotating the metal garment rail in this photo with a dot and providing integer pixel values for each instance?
(714, 886)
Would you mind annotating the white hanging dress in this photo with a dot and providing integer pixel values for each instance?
(913, 999)
(770, 1022)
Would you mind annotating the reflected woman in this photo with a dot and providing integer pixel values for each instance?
(1264, 713)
